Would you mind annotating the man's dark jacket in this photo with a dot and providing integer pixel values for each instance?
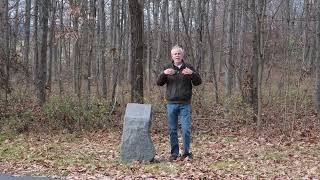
(179, 86)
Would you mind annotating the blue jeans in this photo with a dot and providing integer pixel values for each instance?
(173, 112)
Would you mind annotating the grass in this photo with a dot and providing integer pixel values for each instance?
(230, 139)
(226, 165)
(158, 168)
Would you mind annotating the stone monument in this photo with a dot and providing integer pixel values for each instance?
(136, 141)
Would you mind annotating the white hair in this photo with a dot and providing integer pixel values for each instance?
(177, 47)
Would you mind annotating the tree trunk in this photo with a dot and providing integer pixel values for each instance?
(243, 82)
(229, 66)
(61, 45)
(176, 23)
(317, 95)
(306, 42)
(160, 53)
(35, 41)
(91, 41)
(41, 81)
(222, 39)
(136, 16)
(115, 47)
(199, 29)
(15, 35)
(51, 43)
(149, 48)
(26, 47)
(4, 48)
(255, 60)
(211, 37)
(102, 17)
(188, 39)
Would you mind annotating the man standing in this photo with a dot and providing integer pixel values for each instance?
(179, 77)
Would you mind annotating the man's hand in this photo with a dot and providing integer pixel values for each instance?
(169, 71)
(187, 71)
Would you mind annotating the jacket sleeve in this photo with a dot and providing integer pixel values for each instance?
(162, 79)
(195, 77)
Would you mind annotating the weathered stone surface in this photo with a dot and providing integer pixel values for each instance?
(136, 142)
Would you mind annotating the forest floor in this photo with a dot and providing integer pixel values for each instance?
(222, 149)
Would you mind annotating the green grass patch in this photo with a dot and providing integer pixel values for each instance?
(162, 167)
(275, 156)
(226, 165)
(202, 137)
(6, 136)
(230, 139)
(12, 151)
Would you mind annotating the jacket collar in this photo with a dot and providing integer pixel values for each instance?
(182, 66)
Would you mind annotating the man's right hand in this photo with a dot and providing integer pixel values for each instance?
(169, 71)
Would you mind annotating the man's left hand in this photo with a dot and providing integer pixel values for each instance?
(187, 71)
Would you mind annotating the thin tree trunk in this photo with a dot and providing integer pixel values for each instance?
(229, 66)
(176, 23)
(199, 29)
(157, 37)
(255, 60)
(4, 49)
(91, 41)
(306, 43)
(115, 47)
(51, 44)
(136, 15)
(16, 29)
(27, 43)
(102, 48)
(188, 40)
(61, 45)
(149, 48)
(159, 52)
(41, 81)
(35, 41)
(242, 43)
(317, 95)
(211, 38)
(221, 49)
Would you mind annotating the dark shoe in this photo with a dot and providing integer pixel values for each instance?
(173, 158)
(187, 157)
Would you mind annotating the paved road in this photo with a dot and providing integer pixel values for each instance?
(10, 177)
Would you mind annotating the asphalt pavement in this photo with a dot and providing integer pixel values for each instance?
(11, 177)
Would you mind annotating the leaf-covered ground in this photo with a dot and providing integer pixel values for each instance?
(221, 149)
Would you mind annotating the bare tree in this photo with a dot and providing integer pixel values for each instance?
(27, 42)
(229, 65)
(102, 45)
(15, 33)
(176, 33)
(91, 41)
(160, 36)
(149, 47)
(136, 16)
(199, 29)
(222, 39)
(306, 43)
(115, 51)
(52, 34)
(41, 81)
(317, 95)
(61, 45)
(4, 48)
(211, 37)
(35, 42)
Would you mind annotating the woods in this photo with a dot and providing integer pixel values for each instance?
(112, 51)
(72, 65)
